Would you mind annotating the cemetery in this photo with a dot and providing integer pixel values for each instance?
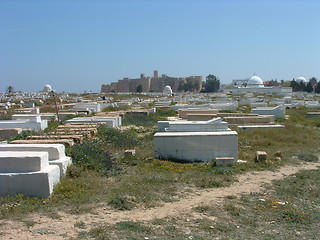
(159, 120)
(127, 145)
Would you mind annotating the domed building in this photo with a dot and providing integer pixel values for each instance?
(301, 80)
(167, 90)
(47, 88)
(255, 82)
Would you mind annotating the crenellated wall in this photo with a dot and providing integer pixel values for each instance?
(154, 84)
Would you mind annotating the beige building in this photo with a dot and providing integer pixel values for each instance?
(151, 84)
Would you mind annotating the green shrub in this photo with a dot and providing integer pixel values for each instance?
(74, 171)
(138, 119)
(6, 116)
(117, 138)
(308, 157)
(122, 202)
(52, 125)
(165, 113)
(91, 155)
(24, 134)
(113, 109)
(148, 120)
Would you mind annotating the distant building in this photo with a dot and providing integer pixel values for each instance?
(47, 88)
(301, 80)
(255, 85)
(150, 84)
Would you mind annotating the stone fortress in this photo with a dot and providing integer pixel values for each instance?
(150, 84)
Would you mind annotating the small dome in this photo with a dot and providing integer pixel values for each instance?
(255, 81)
(47, 88)
(167, 90)
(301, 79)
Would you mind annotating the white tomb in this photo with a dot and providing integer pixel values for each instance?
(93, 107)
(28, 173)
(278, 111)
(109, 121)
(215, 124)
(35, 123)
(202, 141)
(56, 153)
(196, 146)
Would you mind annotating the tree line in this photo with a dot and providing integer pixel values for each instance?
(312, 86)
(212, 84)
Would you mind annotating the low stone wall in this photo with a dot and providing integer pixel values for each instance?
(200, 117)
(222, 115)
(183, 113)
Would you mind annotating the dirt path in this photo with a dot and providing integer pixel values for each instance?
(63, 227)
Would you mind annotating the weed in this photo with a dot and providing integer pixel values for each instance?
(224, 170)
(23, 135)
(231, 197)
(148, 120)
(113, 109)
(10, 206)
(214, 181)
(132, 227)
(6, 116)
(206, 209)
(117, 138)
(29, 223)
(122, 202)
(91, 155)
(308, 157)
(80, 224)
(232, 209)
(74, 171)
(52, 125)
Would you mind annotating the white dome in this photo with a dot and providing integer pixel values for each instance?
(255, 81)
(47, 88)
(167, 90)
(301, 79)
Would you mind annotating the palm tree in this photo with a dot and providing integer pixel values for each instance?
(10, 89)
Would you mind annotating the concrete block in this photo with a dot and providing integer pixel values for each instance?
(36, 184)
(63, 164)
(55, 151)
(261, 156)
(66, 142)
(129, 153)
(196, 146)
(19, 162)
(34, 123)
(200, 117)
(253, 127)
(224, 161)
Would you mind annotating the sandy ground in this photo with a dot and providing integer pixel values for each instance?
(63, 227)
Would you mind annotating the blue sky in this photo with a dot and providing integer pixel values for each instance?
(76, 45)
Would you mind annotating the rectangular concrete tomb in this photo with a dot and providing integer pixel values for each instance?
(23, 161)
(196, 146)
(56, 153)
(215, 124)
(28, 173)
(278, 111)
